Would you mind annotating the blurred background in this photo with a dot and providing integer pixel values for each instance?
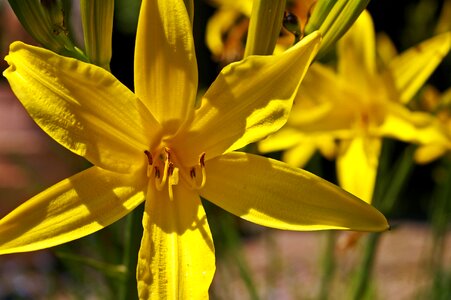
(253, 262)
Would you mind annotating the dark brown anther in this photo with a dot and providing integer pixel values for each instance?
(192, 173)
(202, 160)
(149, 157)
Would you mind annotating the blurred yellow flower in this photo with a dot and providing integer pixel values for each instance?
(155, 145)
(440, 106)
(346, 113)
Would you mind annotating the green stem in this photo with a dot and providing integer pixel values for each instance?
(440, 218)
(328, 265)
(363, 274)
(133, 236)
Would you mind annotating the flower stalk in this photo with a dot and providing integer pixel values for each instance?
(264, 27)
(97, 21)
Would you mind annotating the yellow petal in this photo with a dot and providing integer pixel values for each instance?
(356, 52)
(249, 100)
(273, 194)
(357, 164)
(386, 49)
(428, 153)
(300, 155)
(165, 62)
(413, 67)
(176, 259)
(71, 209)
(81, 106)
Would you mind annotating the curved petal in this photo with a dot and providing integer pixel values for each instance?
(413, 67)
(357, 164)
(165, 62)
(71, 209)
(81, 106)
(428, 153)
(176, 259)
(273, 194)
(357, 51)
(249, 100)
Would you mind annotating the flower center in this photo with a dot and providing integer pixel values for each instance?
(166, 170)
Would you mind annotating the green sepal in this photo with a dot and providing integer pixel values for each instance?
(97, 20)
(47, 22)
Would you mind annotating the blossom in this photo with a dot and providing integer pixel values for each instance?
(157, 146)
(438, 105)
(345, 113)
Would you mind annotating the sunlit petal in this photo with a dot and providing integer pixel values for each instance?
(176, 259)
(71, 209)
(249, 100)
(413, 67)
(273, 194)
(81, 106)
(357, 166)
(165, 62)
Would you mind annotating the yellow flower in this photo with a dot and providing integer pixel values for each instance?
(154, 145)
(346, 113)
(440, 106)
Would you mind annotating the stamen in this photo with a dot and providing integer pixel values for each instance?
(202, 167)
(202, 160)
(195, 182)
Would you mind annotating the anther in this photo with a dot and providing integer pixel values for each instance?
(149, 157)
(150, 162)
(202, 160)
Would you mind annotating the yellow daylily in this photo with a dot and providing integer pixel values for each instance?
(155, 146)
(440, 105)
(347, 112)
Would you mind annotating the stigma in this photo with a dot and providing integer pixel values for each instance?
(166, 171)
